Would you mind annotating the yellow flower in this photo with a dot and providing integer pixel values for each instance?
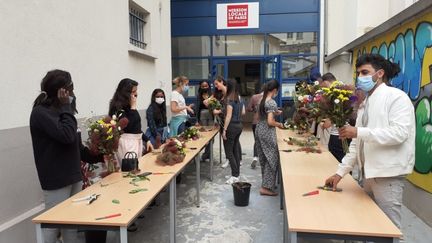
(109, 130)
(109, 137)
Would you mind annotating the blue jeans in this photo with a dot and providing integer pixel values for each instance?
(161, 131)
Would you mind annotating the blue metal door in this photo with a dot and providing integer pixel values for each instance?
(219, 68)
(272, 70)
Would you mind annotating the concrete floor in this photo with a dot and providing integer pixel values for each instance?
(218, 220)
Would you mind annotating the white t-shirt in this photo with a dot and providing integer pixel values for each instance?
(177, 97)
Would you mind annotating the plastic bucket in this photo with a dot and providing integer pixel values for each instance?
(241, 192)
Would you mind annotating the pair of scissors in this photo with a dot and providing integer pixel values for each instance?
(90, 198)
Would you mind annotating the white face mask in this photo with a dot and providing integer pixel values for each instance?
(159, 100)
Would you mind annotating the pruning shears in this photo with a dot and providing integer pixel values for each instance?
(90, 198)
(329, 188)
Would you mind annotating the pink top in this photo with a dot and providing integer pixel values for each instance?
(253, 106)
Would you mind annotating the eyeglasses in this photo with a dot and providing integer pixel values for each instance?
(159, 96)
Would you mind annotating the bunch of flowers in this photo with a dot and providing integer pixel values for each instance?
(305, 102)
(189, 133)
(104, 135)
(337, 104)
(173, 152)
(309, 142)
(214, 104)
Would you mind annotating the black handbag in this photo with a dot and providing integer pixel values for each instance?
(130, 162)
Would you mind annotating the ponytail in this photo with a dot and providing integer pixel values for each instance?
(262, 102)
(267, 87)
(42, 97)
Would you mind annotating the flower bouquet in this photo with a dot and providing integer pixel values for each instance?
(214, 104)
(173, 152)
(337, 104)
(104, 135)
(306, 108)
(189, 133)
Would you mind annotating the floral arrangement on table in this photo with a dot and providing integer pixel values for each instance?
(104, 135)
(308, 142)
(337, 104)
(214, 104)
(173, 152)
(189, 133)
(309, 150)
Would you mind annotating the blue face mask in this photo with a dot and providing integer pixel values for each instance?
(186, 88)
(366, 83)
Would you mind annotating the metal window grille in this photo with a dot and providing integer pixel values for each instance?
(136, 28)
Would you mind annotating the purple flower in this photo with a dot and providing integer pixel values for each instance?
(353, 98)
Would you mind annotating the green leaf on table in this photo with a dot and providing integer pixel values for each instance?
(137, 190)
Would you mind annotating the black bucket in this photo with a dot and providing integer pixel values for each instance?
(241, 192)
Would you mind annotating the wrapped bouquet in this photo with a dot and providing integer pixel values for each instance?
(173, 152)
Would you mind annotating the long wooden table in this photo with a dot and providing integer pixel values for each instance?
(350, 214)
(81, 215)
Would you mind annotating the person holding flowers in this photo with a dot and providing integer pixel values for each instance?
(57, 147)
(265, 137)
(179, 108)
(203, 113)
(334, 143)
(383, 144)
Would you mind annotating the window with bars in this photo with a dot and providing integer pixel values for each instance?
(136, 27)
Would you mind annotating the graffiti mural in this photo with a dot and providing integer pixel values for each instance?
(410, 45)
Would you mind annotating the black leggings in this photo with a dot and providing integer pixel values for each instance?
(335, 147)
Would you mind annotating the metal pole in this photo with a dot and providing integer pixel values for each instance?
(173, 210)
(198, 175)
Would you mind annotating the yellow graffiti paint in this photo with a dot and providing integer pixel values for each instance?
(423, 181)
(427, 63)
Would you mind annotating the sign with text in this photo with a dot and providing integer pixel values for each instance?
(237, 16)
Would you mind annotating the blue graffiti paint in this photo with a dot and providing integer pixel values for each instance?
(383, 50)
(408, 51)
(391, 51)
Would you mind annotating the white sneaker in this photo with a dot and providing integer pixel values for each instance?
(225, 164)
(232, 180)
(254, 162)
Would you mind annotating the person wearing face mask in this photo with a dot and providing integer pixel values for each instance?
(383, 140)
(57, 146)
(204, 117)
(265, 138)
(157, 130)
(179, 109)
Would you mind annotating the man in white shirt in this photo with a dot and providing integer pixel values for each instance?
(383, 142)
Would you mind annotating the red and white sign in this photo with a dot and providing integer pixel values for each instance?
(238, 16)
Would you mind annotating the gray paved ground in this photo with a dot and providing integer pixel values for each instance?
(219, 221)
